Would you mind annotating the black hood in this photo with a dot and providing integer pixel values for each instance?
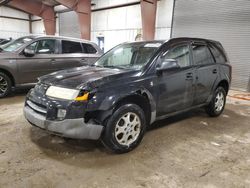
(85, 76)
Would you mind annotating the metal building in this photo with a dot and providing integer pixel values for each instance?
(227, 21)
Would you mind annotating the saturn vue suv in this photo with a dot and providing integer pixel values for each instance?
(129, 88)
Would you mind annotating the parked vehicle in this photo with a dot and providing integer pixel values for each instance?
(129, 88)
(23, 60)
(4, 41)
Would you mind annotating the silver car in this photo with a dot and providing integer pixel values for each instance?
(23, 60)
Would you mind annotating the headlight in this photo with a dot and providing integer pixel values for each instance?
(62, 93)
(67, 94)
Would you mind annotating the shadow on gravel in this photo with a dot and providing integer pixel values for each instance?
(54, 144)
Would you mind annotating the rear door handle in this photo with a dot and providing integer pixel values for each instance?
(84, 61)
(189, 76)
(215, 71)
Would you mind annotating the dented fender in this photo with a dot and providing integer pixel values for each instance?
(106, 101)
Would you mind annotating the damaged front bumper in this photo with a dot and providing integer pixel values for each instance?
(44, 117)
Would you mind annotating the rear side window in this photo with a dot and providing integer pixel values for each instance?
(88, 48)
(71, 47)
(218, 55)
(202, 54)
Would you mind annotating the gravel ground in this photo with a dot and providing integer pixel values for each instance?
(189, 150)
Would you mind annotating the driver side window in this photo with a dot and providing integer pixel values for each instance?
(32, 46)
(46, 46)
(180, 54)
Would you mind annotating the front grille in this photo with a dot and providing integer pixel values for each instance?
(36, 107)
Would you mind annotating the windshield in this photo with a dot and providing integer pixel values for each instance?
(128, 56)
(14, 45)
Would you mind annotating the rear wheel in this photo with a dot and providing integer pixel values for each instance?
(5, 85)
(124, 129)
(217, 104)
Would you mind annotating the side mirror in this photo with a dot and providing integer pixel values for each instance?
(28, 52)
(168, 64)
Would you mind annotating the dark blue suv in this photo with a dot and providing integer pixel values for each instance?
(130, 87)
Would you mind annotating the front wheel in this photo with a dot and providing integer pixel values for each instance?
(5, 85)
(124, 129)
(217, 104)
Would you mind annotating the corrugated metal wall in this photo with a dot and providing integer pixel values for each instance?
(227, 21)
(68, 25)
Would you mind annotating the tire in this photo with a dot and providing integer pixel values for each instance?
(125, 129)
(5, 85)
(217, 104)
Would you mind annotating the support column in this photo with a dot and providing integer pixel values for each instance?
(39, 9)
(83, 10)
(148, 15)
(30, 24)
(49, 21)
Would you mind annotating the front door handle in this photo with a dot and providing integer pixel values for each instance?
(189, 76)
(214, 71)
(53, 61)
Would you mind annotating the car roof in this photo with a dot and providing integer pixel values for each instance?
(174, 40)
(146, 42)
(182, 39)
(59, 37)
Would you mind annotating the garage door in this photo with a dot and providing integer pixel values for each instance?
(68, 24)
(227, 21)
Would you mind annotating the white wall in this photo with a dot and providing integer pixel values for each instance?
(116, 25)
(17, 28)
(10, 27)
(164, 19)
(123, 24)
(37, 26)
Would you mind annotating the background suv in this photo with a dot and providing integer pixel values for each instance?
(25, 59)
(130, 87)
(4, 41)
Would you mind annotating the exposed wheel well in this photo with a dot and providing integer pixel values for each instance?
(141, 100)
(224, 84)
(9, 75)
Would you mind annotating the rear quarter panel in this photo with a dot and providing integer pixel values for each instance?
(225, 72)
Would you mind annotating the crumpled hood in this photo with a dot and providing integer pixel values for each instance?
(82, 76)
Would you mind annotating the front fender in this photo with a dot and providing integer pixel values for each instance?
(10, 67)
(107, 100)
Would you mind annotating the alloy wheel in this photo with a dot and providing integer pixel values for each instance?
(128, 129)
(219, 102)
(3, 85)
